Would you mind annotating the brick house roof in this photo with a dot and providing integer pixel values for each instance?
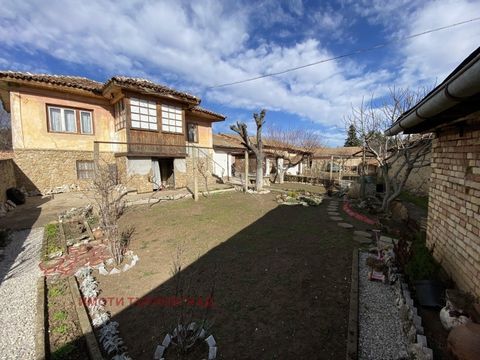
(339, 151)
(208, 112)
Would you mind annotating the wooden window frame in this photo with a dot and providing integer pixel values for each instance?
(188, 132)
(120, 116)
(78, 125)
(182, 120)
(140, 121)
(90, 173)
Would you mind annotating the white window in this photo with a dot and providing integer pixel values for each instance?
(144, 114)
(65, 120)
(86, 122)
(172, 119)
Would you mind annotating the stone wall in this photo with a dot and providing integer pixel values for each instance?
(45, 170)
(7, 178)
(453, 231)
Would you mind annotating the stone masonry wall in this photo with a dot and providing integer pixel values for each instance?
(453, 230)
(7, 178)
(44, 170)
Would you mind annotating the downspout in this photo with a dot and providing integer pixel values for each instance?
(462, 85)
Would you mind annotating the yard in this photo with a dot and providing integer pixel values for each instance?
(282, 276)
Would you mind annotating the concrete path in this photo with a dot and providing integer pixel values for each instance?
(18, 294)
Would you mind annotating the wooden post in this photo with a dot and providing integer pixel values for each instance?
(331, 167)
(96, 157)
(246, 172)
(340, 170)
(195, 175)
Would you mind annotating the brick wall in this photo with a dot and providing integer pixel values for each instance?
(453, 230)
(7, 178)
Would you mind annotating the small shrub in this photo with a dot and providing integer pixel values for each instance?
(60, 316)
(55, 291)
(63, 353)
(61, 329)
(421, 265)
(51, 231)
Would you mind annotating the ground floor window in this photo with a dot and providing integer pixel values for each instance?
(85, 169)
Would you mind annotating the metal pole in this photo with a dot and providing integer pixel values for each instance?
(195, 179)
(246, 171)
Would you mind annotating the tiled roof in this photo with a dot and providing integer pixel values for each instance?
(209, 112)
(339, 151)
(227, 141)
(95, 86)
(61, 80)
(147, 85)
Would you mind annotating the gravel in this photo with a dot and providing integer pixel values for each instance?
(380, 331)
(18, 275)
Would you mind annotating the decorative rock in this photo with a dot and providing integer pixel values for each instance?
(159, 352)
(211, 341)
(336, 218)
(212, 352)
(422, 340)
(114, 271)
(333, 213)
(166, 340)
(126, 267)
(362, 240)
(202, 334)
(192, 326)
(345, 225)
(102, 270)
(362, 233)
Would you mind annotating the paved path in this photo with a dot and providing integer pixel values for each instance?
(18, 278)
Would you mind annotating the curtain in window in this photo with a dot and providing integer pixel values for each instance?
(86, 121)
(55, 119)
(70, 125)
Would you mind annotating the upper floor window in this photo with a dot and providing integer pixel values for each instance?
(144, 114)
(69, 120)
(172, 119)
(120, 115)
(192, 132)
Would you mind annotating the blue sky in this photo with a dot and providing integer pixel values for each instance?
(193, 45)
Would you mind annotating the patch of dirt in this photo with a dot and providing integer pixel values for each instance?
(282, 276)
(65, 337)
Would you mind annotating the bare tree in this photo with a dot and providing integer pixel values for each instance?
(370, 120)
(203, 169)
(109, 196)
(290, 147)
(257, 148)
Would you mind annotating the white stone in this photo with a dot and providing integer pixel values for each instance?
(345, 225)
(202, 334)
(422, 340)
(159, 352)
(102, 270)
(211, 341)
(192, 326)
(126, 267)
(166, 340)
(114, 271)
(212, 352)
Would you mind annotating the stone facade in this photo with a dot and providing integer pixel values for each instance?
(45, 170)
(7, 178)
(453, 231)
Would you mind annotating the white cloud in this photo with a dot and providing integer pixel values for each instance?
(202, 43)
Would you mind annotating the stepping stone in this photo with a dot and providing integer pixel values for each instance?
(336, 218)
(345, 225)
(362, 240)
(333, 213)
(332, 209)
(362, 233)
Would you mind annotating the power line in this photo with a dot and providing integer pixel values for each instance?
(358, 51)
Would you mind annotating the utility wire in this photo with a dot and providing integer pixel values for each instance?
(358, 51)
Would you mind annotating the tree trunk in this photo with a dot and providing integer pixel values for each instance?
(259, 177)
(280, 171)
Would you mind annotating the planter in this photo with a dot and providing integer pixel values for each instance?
(430, 293)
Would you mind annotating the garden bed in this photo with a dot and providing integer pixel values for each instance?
(65, 340)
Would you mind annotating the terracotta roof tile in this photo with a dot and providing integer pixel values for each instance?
(339, 151)
(147, 85)
(209, 112)
(61, 80)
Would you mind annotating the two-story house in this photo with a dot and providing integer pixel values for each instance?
(143, 130)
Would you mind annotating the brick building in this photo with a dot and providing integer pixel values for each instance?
(452, 112)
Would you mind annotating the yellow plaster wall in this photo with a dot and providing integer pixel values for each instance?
(204, 131)
(29, 121)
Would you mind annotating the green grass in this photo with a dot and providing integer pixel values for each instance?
(55, 291)
(420, 201)
(51, 241)
(61, 329)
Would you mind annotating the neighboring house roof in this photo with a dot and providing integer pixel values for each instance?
(339, 151)
(61, 80)
(227, 141)
(456, 97)
(208, 112)
(149, 86)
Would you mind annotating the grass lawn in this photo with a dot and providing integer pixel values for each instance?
(282, 276)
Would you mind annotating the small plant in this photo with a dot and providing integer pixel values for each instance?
(60, 329)
(63, 353)
(51, 231)
(56, 291)
(60, 316)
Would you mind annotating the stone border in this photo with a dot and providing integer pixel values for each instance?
(87, 330)
(352, 329)
(41, 338)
